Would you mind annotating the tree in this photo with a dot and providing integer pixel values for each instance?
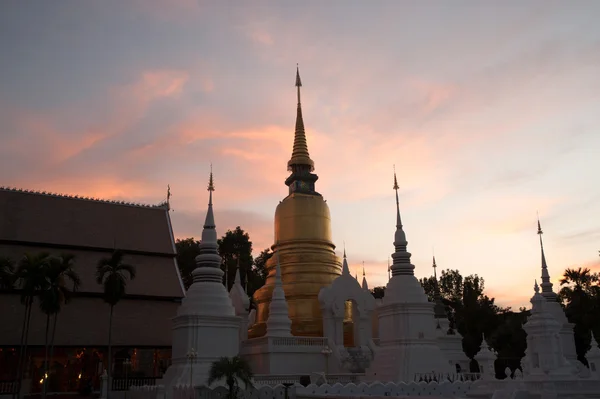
(378, 292)
(30, 277)
(232, 370)
(187, 250)
(469, 310)
(58, 272)
(581, 299)
(235, 249)
(258, 273)
(112, 273)
(7, 268)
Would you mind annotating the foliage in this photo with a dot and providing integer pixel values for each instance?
(7, 268)
(378, 292)
(580, 294)
(56, 293)
(258, 275)
(233, 370)
(59, 275)
(187, 250)
(112, 274)
(235, 249)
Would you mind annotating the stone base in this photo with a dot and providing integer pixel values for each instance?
(211, 337)
(287, 355)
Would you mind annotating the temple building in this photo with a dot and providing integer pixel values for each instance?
(91, 229)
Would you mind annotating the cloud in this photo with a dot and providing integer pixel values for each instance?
(483, 132)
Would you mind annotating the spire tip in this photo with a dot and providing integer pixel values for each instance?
(211, 185)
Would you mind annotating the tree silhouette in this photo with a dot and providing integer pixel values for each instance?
(232, 370)
(112, 273)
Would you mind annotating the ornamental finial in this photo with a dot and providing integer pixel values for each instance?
(211, 185)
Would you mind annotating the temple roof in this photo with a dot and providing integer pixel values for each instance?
(32, 222)
(39, 217)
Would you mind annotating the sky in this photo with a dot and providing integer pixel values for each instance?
(488, 110)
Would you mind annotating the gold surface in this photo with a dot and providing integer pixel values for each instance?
(307, 260)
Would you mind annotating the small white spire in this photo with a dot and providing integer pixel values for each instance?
(401, 257)
(278, 323)
(365, 286)
(238, 296)
(547, 291)
(209, 254)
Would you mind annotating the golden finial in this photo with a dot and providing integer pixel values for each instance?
(300, 154)
(395, 179)
(539, 225)
(363, 268)
(211, 185)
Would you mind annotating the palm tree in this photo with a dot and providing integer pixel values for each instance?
(60, 269)
(112, 273)
(580, 278)
(30, 277)
(233, 370)
(7, 268)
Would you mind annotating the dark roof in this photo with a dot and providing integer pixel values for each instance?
(90, 229)
(70, 220)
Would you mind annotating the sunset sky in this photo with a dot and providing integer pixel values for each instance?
(489, 110)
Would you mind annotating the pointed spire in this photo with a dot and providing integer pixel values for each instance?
(345, 269)
(209, 254)
(401, 264)
(210, 219)
(396, 187)
(365, 286)
(278, 322)
(300, 154)
(547, 291)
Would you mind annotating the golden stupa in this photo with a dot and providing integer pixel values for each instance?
(302, 243)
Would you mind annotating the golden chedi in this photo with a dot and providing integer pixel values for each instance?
(302, 244)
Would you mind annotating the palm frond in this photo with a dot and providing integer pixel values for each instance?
(130, 269)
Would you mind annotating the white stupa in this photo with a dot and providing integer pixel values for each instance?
(544, 354)
(566, 329)
(407, 335)
(206, 327)
(279, 323)
(241, 303)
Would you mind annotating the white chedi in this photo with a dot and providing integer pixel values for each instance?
(279, 323)
(544, 355)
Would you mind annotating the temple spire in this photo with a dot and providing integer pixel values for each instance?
(278, 322)
(209, 254)
(364, 285)
(401, 264)
(300, 156)
(345, 269)
(210, 219)
(546, 285)
(396, 187)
